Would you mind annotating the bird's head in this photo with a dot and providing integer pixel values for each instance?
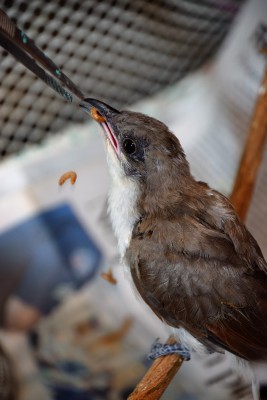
(138, 147)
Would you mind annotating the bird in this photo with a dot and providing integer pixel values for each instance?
(190, 257)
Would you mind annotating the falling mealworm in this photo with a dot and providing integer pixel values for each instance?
(68, 175)
(96, 116)
(108, 276)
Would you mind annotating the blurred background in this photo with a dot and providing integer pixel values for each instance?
(66, 332)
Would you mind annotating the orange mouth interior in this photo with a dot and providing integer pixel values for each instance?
(96, 115)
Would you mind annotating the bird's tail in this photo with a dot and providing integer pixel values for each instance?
(259, 389)
(255, 389)
(259, 382)
(263, 392)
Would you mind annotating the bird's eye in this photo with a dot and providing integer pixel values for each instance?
(129, 146)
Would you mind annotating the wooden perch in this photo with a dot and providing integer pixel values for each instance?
(163, 369)
(252, 154)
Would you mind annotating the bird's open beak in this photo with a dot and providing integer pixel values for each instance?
(104, 115)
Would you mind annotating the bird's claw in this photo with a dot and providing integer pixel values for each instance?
(159, 350)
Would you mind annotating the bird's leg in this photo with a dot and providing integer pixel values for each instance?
(158, 350)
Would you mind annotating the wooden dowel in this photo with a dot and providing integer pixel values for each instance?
(163, 369)
(252, 154)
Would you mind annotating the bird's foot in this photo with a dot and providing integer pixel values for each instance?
(158, 350)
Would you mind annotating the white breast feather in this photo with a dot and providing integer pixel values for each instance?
(123, 197)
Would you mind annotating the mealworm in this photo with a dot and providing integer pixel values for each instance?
(68, 175)
(108, 276)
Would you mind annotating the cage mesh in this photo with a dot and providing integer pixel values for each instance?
(117, 51)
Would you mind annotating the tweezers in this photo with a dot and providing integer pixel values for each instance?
(17, 43)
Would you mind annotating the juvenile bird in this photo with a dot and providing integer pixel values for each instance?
(191, 258)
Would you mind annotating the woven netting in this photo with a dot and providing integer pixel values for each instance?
(118, 51)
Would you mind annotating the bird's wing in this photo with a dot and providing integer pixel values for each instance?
(205, 273)
(244, 330)
(220, 215)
